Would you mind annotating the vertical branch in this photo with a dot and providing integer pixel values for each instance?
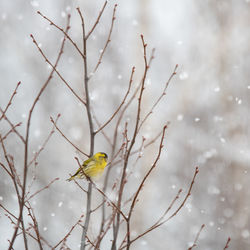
(86, 85)
(128, 151)
(91, 131)
(112, 154)
(26, 145)
(141, 185)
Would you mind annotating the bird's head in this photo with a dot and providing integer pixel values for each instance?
(102, 156)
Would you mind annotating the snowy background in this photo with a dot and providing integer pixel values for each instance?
(207, 104)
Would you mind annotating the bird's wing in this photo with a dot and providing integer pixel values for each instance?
(89, 163)
(85, 165)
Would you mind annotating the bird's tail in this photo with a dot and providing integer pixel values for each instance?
(70, 179)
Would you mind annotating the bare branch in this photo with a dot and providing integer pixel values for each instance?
(141, 185)
(160, 97)
(70, 231)
(91, 130)
(13, 127)
(11, 130)
(10, 101)
(64, 32)
(40, 190)
(227, 243)
(196, 238)
(57, 72)
(25, 168)
(128, 151)
(123, 101)
(35, 224)
(107, 42)
(97, 20)
(44, 143)
(66, 138)
(186, 197)
(161, 221)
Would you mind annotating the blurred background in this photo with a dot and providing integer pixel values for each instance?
(207, 105)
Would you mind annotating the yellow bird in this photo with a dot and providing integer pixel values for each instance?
(93, 167)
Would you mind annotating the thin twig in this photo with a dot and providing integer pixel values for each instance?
(25, 168)
(3, 166)
(168, 209)
(123, 101)
(104, 231)
(128, 151)
(11, 130)
(31, 213)
(40, 190)
(57, 72)
(102, 131)
(187, 195)
(161, 222)
(66, 138)
(227, 243)
(28, 233)
(160, 97)
(44, 143)
(70, 231)
(141, 185)
(64, 32)
(13, 127)
(6, 210)
(112, 203)
(10, 101)
(196, 238)
(97, 20)
(107, 42)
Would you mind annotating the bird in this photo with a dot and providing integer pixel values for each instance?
(92, 167)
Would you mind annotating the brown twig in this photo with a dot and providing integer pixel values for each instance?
(97, 20)
(40, 190)
(160, 97)
(13, 127)
(68, 234)
(168, 209)
(162, 221)
(197, 237)
(111, 202)
(123, 101)
(97, 207)
(13, 173)
(64, 32)
(26, 150)
(104, 231)
(3, 166)
(128, 151)
(44, 143)
(28, 233)
(57, 72)
(107, 42)
(8, 211)
(10, 101)
(227, 243)
(66, 138)
(11, 130)
(35, 224)
(187, 195)
(102, 131)
(139, 189)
